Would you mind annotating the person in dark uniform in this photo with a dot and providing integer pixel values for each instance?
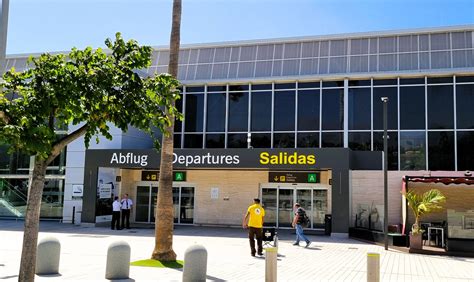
(126, 207)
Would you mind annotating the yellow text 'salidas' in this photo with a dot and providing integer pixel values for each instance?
(284, 158)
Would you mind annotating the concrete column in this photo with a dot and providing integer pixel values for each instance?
(118, 261)
(47, 257)
(195, 264)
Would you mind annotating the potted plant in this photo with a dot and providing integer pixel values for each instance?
(421, 205)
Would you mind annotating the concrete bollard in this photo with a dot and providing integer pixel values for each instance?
(373, 267)
(271, 264)
(195, 264)
(118, 261)
(47, 256)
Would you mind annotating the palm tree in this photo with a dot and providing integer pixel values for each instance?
(423, 204)
(164, 214)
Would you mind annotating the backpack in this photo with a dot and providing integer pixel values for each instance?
(305, 222)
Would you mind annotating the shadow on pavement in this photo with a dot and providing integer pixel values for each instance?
(49, 275)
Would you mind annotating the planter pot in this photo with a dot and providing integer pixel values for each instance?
(416, 241)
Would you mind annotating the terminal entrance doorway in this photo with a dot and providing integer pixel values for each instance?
(183, 202)
(278, 201)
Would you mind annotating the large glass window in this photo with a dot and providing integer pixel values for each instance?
(215, 140)
(238, 111)
(308, 109)
(283, 140)
(178, 124)
(15, 163)
(412, 150)
(359, 108)
(440, 107)
(392, 111)
(308, 140)
(333, 109)
(332, 139)
(261, 140)
(412, 107)
(359, 141)
(192, 141)
(465, 106)
(465, 150)
(237, 141)
(392, 148)
(261, 111)
(216, 112)
(284, 112)
(441, 150)
(194, 115)
(177, 141)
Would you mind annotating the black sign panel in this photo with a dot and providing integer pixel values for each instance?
(153, 175)
(273, 159)
(294, 177)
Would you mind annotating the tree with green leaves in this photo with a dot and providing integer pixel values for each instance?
(91, 89)
(164, 214)
(421, 205)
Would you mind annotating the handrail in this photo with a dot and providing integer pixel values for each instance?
(20, 194)
(15, 190)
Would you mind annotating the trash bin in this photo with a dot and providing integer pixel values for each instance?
(327, 224)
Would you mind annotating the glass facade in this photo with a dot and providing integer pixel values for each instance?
(422, 113)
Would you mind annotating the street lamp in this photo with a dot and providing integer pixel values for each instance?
(4, 6)
(385, 165)
(249, 140)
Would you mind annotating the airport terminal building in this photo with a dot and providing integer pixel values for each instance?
(286, 120)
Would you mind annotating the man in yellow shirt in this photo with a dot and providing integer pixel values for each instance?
(253, 220)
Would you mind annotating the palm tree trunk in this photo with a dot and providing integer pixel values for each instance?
(30, 234)
(164, 213)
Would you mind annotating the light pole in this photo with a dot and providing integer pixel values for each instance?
(4, 7)
(385, 165)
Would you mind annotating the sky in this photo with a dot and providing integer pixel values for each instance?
(37, 26)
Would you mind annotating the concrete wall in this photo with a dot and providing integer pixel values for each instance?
(367, 188)
(133, 139)
(240, 187)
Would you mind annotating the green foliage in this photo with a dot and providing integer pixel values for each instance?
(158, 263)
(421, 205)
(87, 87)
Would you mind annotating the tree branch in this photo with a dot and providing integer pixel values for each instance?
(59, 145)
(4, 117)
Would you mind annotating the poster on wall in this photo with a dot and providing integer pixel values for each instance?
(107, 189)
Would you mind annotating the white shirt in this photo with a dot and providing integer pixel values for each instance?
(116, 206)
(126, 204)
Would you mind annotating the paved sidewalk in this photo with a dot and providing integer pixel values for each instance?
(83, 256)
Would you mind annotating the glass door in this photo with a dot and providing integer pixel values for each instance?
(285, 207)
(303, 197)
(153, 198)
(320, 207)
(269, 203)
(278, 202)
(142, 204)
(186, 213)
(146, 203)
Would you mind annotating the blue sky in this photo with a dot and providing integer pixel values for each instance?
(57, 25)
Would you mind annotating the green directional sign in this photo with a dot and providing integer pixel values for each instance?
(179, 176)
(154, 175)
(294, 177)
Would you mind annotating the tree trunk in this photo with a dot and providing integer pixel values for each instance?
(30, 234)
(164, 219)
